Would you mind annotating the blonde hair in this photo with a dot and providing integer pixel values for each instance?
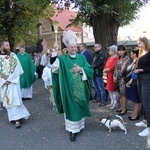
(146, 43)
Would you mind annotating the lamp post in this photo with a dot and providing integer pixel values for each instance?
(55, 25)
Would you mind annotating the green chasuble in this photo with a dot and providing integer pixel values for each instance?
(71, 93)
(28, 77)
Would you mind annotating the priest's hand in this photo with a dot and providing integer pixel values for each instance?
(7, 83)
(76, 69)
(56, 46)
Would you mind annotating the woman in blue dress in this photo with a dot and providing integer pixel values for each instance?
(131, 85)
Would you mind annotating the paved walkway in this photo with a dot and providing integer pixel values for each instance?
(46, 131)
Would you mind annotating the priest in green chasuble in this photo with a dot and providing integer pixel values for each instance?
(71, 80)
(28, 77)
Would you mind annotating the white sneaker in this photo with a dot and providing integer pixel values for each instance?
(145, 132)
(141, 124)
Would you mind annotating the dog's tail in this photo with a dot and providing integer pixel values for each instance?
(121, 119)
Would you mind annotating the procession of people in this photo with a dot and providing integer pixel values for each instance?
(70, 76)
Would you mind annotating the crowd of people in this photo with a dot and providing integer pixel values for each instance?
(69, 75)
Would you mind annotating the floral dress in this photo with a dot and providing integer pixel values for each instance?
(120, 67)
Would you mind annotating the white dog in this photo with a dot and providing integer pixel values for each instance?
(113, 123)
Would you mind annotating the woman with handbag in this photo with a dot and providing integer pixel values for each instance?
(131, 86)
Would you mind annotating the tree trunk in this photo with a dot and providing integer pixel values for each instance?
(105, 30)
(11, 40)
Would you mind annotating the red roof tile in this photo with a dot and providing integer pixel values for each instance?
(64, 18)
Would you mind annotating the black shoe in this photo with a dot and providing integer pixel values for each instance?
(23, 99)
(137, 118)
(29, 99)
(129, 117)
(119, 110)
(72, 136)
(123, 112)
(13, 122)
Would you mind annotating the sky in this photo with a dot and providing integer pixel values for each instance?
(138, 27)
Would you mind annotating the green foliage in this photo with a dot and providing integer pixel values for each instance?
(18, 18)
(123, 11)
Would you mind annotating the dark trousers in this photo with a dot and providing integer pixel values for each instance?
(144, 92)
(40, 70)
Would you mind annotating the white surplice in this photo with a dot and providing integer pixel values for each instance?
(10, 95)
(47, 76)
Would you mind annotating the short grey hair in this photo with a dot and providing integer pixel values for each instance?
(113, 48)
(21, 46)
